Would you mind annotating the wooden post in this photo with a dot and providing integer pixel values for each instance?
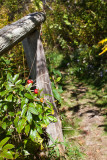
(35, 56)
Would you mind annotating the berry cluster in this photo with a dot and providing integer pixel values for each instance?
(31, 81)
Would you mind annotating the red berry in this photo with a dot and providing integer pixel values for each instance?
(36, 91)
(29, 81)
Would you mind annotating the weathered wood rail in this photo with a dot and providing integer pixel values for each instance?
(27, 30)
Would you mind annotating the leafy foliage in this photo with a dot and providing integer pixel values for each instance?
(23, 116)
(5, 149)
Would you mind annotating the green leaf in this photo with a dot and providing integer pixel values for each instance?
(29, 117)
(52, 118)
(16, 121)
(4, 141)
(3, 93)
(33, 110)
(40, 116)
(18, 82)
(9, 98)
(58, 79)
(56, 95)
(39, 108)
(8, 146)
(39, 129)
(15, 77)
(5, 107)
(46, 120)
(7, 61)
(24, 101)
(9, 77)
(6, 154)
(27, 129)
(9, 86)
(24, 110)
(4, 125)
(29, 96)
(21, 125)
(31, 105)
(33, 134)
(11, 114)
(28, 87)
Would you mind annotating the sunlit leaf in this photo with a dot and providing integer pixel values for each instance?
(16, 76)
(27, 129)
(29, 117)
(29, 96)
(8, 146)
(4, 141)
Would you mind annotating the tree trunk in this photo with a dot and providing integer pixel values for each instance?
(38, 71)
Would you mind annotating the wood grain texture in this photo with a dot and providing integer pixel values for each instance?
(17, 31)
(35, 55)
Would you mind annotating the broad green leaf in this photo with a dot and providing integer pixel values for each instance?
(24, 101)
(18, 82)
(21, 125)
(39, 129)
(10, 85)
(40, 116)
(31, 105)
(4, 141)
(16, 76)
(9, 77)
(6, 154)
(4, 125)
(33, 134)
(33, 110)
(52, 118)
(56, 95)
(16, 121)
(7, 61)
(46, 120)
(5, 107)
(9, 98)
(27, 129)
(29, 96)
(39, 108)
(29, 117)
(8, 146)
(24, 110)
(11, 114)
(3, 93)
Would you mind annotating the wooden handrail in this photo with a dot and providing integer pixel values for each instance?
(11, 34)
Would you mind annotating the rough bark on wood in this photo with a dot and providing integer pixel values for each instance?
(35, 56)
(17, 31)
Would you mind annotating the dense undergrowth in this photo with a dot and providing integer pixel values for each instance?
(70, 36)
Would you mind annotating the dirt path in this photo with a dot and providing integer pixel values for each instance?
(79, 102)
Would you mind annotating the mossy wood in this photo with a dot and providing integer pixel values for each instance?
(26, 30)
